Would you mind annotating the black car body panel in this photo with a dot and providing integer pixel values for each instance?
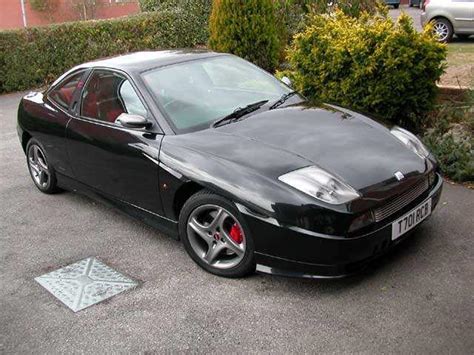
(120, 162)
(148, 173)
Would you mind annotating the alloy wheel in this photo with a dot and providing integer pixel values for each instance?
(38, 166)
(216, 236)
(441, 31)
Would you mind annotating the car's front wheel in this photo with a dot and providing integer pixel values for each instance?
(215, 235)
(41, 172)
(443, 29)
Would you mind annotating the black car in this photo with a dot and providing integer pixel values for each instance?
(213, 150)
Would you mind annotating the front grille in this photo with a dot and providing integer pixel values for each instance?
(401, 201)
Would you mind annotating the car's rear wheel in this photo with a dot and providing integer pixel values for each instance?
(443, 29)
(215, 235)
(396, 6)
(41, 172)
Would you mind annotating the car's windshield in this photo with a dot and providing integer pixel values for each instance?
(196, 93)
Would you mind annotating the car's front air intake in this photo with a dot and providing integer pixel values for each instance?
(401, 201)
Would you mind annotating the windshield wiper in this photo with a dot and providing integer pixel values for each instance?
(282, 99)
(239, 112)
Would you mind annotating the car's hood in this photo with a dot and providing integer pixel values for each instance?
(357, 149)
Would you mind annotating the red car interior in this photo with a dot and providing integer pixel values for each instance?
(100, 99)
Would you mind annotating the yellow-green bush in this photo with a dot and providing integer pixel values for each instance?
(368, 63)
(35, 56)
(349, 7)
(247, 28)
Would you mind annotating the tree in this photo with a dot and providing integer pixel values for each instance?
(247, 28)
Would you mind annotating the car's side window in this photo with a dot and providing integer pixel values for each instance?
(62, 94)
(130, 99)
(108, 94)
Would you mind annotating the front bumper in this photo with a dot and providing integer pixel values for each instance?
(292, 251)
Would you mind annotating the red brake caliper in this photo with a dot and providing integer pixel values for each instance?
(236, 233)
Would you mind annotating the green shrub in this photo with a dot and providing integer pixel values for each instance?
(349, 7)
(290, 16)
(35, 56)
(368, 63)
(247, 28)
(451, 139)
(454, 152)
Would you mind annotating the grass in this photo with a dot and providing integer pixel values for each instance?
(461, 53)
(460, 60)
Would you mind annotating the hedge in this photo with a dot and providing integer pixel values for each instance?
(35, 56)
(198, 7)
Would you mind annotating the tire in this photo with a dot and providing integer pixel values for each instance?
(42, 173)
(216, 236)
(396, 6)
(462, 36)
(443, 29)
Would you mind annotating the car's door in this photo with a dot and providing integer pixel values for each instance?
(57, 102)
(117, 161)
(463, 14)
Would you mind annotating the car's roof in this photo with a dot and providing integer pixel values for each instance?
(142, 61)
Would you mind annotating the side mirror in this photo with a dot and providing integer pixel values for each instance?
(132, 121)
(287, 81)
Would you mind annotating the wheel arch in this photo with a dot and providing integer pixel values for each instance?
(25, 138)
(442, 17)
(183, 193)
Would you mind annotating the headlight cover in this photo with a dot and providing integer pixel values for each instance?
(320, 184)
(411, 141)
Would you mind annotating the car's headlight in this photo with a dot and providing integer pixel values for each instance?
(411, 141)
(320, 184)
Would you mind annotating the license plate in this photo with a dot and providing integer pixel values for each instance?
(411, 219)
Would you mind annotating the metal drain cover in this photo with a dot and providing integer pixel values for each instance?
(85, 283)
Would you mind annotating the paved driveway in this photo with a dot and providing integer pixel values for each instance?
(414, 12)
(418, 299)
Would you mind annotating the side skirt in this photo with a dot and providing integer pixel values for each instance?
(163, 224)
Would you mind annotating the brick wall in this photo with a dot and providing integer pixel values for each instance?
(11, 15)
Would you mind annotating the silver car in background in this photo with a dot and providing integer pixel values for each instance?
(449, 17)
